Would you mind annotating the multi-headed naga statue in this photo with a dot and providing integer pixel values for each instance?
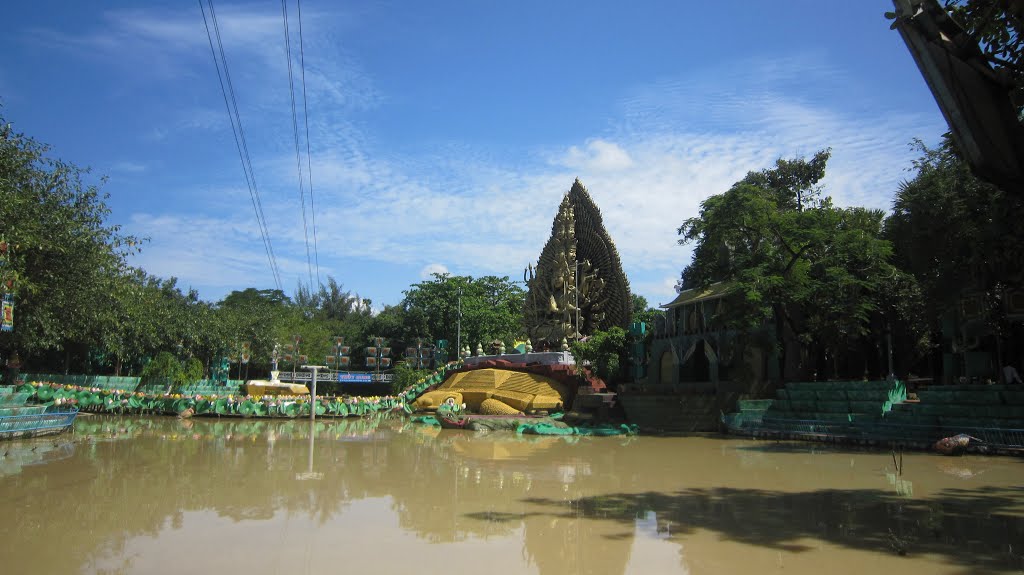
(578, 285)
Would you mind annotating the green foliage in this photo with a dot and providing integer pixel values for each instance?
(145, 314)
(607, 352)
(260, 318)
(192, 371)
(64, 256)
(491, 309)
(643, 312)
(404, 376)
(252, 297)
(956, 233)
(390, 324)
(996, 26)
(164, 368)
(814, 270)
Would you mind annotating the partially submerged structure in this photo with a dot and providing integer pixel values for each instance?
(698, 366)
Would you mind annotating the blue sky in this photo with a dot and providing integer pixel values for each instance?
(444, 134)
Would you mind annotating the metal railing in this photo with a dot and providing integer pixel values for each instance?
(19, 424)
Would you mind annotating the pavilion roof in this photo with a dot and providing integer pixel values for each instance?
(714, 291)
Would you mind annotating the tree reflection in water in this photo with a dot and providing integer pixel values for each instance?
(576, 505)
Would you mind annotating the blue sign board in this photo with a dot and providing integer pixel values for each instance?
(355, 377)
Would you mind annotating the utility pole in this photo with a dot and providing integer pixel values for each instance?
(576, 293)
(312, 405)
(458, 333)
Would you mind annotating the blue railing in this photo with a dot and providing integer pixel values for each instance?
(19, 424)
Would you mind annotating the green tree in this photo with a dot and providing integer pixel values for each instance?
(404, 376)
(955, 233)
(261, 318)
(65, 255)
(390, 324)
(606, 352)
(342, 312)
(169, 371)
(995, 25)
(794, 260)
(146, 314)
(642, 311)
(250, 297)
(491, 309)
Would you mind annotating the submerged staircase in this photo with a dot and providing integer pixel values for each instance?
(879, 412)
(994, 414)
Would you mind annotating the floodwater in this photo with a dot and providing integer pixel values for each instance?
(159, 495)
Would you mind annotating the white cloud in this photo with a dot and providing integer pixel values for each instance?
(597, 155)
(427, 272)
(673, 143)
(495, 220)
(128, 167)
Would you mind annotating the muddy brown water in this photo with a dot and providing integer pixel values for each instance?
(159, 495)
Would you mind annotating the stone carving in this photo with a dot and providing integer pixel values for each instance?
(578, 285)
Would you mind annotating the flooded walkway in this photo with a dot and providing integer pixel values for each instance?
(159, 495)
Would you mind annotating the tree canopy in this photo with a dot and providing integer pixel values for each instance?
(606, 352)
(956, 235)
(63, 256)
(794, 259)
(995, 25)
(80, 307)
(491, 309)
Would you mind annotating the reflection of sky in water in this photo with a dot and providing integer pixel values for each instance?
(18, 454)
(652, 552)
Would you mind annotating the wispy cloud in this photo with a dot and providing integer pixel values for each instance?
(127, 167)
(669, 145)
(597, 155)
(429, 271)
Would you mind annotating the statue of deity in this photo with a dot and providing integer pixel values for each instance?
(578, 285)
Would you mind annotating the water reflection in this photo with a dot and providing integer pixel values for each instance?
(16, 455)
(389, 496)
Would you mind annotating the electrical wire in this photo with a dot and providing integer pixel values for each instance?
(295, 133)
(309, 167)
(231, 103)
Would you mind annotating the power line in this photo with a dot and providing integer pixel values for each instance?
(295, 132)
(255, 193)
(309, 167)
(239, 134)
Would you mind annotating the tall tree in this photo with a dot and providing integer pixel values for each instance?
(491, 309)
(642, 311)
(794, 259)
(957, 234)
(64, 257)
(260, 318)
